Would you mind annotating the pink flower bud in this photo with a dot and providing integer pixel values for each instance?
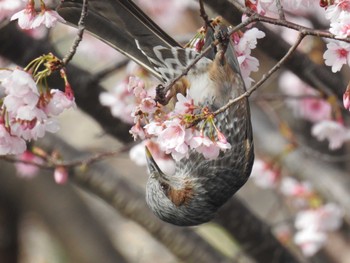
(346, 99)
(221, 137)
(60, 175)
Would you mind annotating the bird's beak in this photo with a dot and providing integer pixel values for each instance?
(153, 168)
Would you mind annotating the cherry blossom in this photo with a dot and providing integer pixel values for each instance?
(59, 102)
(337, 54)
(346, 99)
(120, 101)
(47, 17)
(27, 170)
(311, 109)
(172, 139)
(28, 111)
(325, 218)
(310, 241)
(335, 132)
(313, 224)
(292, 187)
(10, 144)
(26, 16)
(264, 175)
(243, 46)
(249, 40)
(165, 162)
(184, 104)
(340, 8)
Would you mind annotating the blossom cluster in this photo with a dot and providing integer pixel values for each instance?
(268, 7)
(168, 127)
(338, 52)
(29, 18)
(244, 44)
(313, 219)
(307, 104)
(28, 110)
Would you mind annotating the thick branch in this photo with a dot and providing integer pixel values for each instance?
(105, 182)
(64, 213)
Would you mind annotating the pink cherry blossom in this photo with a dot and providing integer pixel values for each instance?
(27, 170)
(47, 17)
(172, 137)
(137, 131)
(333, 12)
(205, 146)
(120, 101)
(264, 175)
(346, 99)
(333, 131)
(59, 102)
(337, 54)
(184, 104)
(137, 86)
(310, 241)
(25, 17)
(249, 40)
(154, 128)
(325, 218)
(31, 123)
(10, 144)
(291, 187)
(341, 27)
(311, 109)
(165, 163)
(148, 105)
(19, 82)
(243, 47)
(314, 109)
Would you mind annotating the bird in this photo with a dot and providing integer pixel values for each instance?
(199, 187)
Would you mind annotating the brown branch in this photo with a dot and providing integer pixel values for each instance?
(263, 79)
(281, 22)
(203, 14)
(106, 182)
(280, 10)
(317, 76)
(79, 35)
(164, 90)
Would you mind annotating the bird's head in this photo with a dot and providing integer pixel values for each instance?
(168, 196)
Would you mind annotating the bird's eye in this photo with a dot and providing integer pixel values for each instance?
(165, 187)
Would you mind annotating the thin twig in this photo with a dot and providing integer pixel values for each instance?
(280, 10)
(79, 36)
(285, 23)
(52, 163)
(264, 78)
(203, 14)
(165, 89)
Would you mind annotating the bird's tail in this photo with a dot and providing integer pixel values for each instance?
(122, 25)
